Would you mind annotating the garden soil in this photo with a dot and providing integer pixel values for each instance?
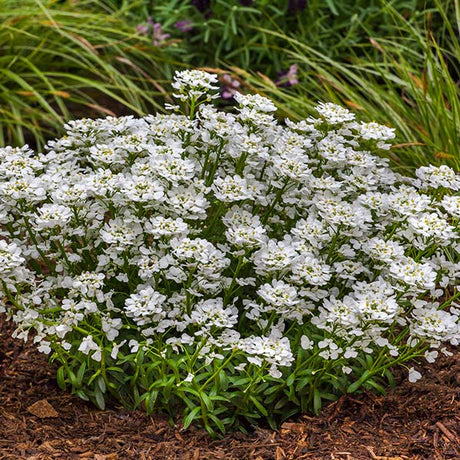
(39, 422)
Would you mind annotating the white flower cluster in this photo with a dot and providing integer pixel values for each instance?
(228, 227)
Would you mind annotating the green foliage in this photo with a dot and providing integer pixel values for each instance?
(74, 59)
(238, 32)
(217, 397)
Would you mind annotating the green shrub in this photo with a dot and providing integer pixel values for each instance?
(224, 266)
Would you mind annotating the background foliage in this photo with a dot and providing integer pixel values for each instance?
(72, 59)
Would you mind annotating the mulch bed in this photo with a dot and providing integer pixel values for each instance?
(414, 421)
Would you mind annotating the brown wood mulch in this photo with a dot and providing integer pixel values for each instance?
(39, 422)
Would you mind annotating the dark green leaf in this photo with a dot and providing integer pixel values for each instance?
(188, 419)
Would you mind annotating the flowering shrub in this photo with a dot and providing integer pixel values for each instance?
(226, 266)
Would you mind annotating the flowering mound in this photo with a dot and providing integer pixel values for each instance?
(226, 266)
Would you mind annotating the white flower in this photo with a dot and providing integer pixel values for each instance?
(111, 327)
(194, 83)
(232, 188)
(88, 283)
(330, 350)
(306, 343)
(430, 225)
(88, 344)
(121, 232)
(189, 377)
(441, 176)
(334, 113)
(387, 251)
(407, 201)
(415, 274)
(255, 101)
(10, 257)
(116, 349)
(52, 215)
(414, 375)
(310, 270)
(211, 312)
(142, 189)
(279, 294)
(105, 154)
(146, 306)
(165, 226)
(272, 349)
(375, 306)
(274, 256)
(452, 205)
(173, 168)
(433, 324)
(375, 131)
(245, 236)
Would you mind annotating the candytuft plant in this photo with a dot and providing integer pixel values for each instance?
(225, 266)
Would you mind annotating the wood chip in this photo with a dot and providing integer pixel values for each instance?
(42, 409)
(106, 456)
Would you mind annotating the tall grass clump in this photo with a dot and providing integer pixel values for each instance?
(58, 60)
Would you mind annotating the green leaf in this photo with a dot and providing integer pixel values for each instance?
(239, 381)
(81, 373)
(223, 380)
(207, 401)
(115, 369)
(73, 379)
(150, 401)
(81, 394)
(317, 403)
(61, 378)
(94, 376)
(99, 399)
(100, 382)
(191, 391)
(188, 419)
(259, 406)
(332, 7)
(376, 386)
(217, 422)
(355, 385)
(390, 378)
(291, 379)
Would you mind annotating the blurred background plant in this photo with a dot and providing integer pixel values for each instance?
(68, 60)
(238, 31)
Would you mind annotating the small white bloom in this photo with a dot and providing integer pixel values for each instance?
(414, 375)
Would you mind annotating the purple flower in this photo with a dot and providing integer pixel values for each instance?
(155, 29)
(158, 35)
(184, 26)
(144, 30)
(288, 77)
(230, 86)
